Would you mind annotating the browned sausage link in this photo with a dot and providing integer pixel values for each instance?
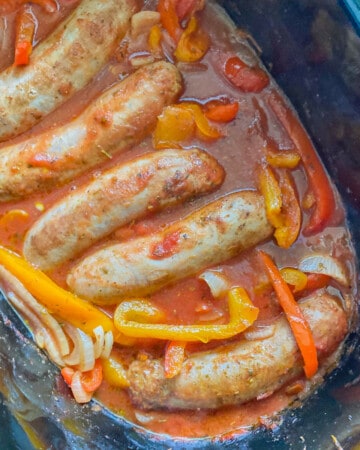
(127, 192)
(237, 373)
(117, 120)
(211, 235)
(62, 64)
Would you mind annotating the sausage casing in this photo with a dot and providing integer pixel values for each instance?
(237, 373)
(125, 193)
(62, 64)
(114, 122)
(209, 236)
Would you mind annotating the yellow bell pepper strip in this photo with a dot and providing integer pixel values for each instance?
(174, 126)
(270, 189)
(114, 372)
(203, 126)
(139, 318)
(193, 43)
(287, 233)
(299, 325)
(294, 277)
(57, 300)
(154, 39)
(319, 184)
(169, 18)
(221, 111)
(284, 159)
(174, 357)
(25, 29)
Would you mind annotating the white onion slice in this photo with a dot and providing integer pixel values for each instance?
(108, 344)
(99, 340)
(217, 282)
(79, 393)
(259, 332)
(142, 22)
(325, 265)
(87, 356)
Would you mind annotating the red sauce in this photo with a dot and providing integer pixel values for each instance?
(239, 151)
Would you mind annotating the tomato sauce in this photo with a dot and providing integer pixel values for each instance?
(240, 151)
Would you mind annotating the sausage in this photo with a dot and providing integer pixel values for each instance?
(117, 120)
(240, 372)
(62, 64)
(120, 195)
(209, 236)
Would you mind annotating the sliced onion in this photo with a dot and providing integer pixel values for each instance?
(48, 341)
(83, 352)
(42, 314)
(79, 393)
(142, 21)
(99, 340)
(73, 359)
(325, 265)
(259, 332)
(108, 344)
(217, 282)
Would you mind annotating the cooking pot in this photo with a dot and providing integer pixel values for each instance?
(312, 49)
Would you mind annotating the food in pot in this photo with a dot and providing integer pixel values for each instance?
(169, 234)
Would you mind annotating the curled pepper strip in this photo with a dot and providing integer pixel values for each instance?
(319, 183)
(64, 304)
(139, 318)
(298, 323)
(193, 43)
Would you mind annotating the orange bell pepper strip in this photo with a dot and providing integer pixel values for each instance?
(283, 159)
(203, 127)
(57, 300)
(318, 180)
(174, 126)
(193, 43)
(299, 325)
(245, 78)
(287, 233)
(154, 39)
(169, 19)
(317, 281)
(140, 319)
(174, 357)
(25, 29)
(219, 111)
(92, 379)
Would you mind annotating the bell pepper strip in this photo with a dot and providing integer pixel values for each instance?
(204, 128)
(318, 180)
(174, 126)
(185, 8)
(92, 379)
(270, 189)
(24, 34)
(174, 357)
(284, 159)
(57, 300)
(244, 77)
(287, 233)
(219, 111)
(295, 278)
(317, 281)
(193, 43)
(169, 18)
(299, 325)
(67, 373)
(154, 39)
(130, 316)
(114, 372)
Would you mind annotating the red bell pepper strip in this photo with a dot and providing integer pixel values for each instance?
(169, 18)
(219, 111)
(174, 357)
(247, 79)
(294, 315)
(25, 29)
(319, 183)
(92, 379)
